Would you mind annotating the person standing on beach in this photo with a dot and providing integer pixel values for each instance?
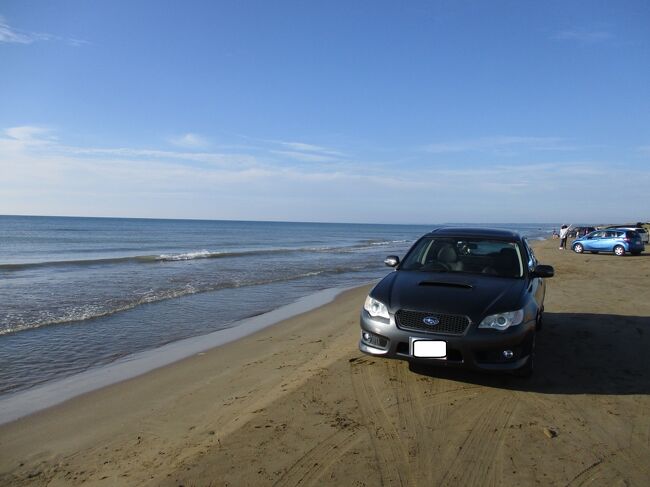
(564, 233)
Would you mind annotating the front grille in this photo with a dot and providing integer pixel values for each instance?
(448, 324)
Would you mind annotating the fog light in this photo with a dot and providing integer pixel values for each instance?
(508, 354)
(373, 340)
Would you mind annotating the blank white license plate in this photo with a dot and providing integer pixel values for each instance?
(429, 348)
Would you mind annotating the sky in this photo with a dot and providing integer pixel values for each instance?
(336, 111)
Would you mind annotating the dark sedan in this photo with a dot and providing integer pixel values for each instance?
(463, 297)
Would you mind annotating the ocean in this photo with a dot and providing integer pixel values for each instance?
(80, 293)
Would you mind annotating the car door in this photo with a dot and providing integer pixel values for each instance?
(610, 239)
(537, 286)
(594, 240)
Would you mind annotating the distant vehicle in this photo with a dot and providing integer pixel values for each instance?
(462, 297)
(640, 230)
(576, 232)
(619, 241)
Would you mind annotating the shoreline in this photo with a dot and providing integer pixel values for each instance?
(24, 403)
(19, 404)
(297, 404)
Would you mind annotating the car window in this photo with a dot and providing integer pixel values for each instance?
(532, 260)
(600, 234)
(467, 255)
(611, 234)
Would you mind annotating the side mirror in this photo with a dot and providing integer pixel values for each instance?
(543, 271)
(391, 261)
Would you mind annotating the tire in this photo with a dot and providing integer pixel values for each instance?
(619, 250)
(527, 370)
(578, 248)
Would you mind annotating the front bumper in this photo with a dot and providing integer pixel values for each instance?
(476, 349)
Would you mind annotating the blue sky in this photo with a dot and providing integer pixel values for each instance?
(414, 112)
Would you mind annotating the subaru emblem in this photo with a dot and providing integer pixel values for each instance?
(431, 320)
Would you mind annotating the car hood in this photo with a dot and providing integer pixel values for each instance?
(475, 296)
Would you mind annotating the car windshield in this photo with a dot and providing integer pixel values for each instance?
(468, 255)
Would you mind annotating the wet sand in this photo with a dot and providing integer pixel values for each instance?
(298, 404)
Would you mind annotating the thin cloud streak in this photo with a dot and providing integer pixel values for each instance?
(189, 141)
(305, 156)
(583, 36)
(498, 143)
(302, 147)
(11, 35)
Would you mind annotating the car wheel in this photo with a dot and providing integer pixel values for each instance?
(578, 248)
(619, 250)
(527, 370)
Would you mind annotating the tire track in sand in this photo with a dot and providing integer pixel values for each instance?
(309, 468)
(624, 460)
(480, 426)
(431, 431)
(370, 385)
(422, 404)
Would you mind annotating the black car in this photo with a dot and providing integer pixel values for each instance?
(463, 297)
(577, 232)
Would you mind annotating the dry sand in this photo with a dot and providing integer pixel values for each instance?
(298, 404)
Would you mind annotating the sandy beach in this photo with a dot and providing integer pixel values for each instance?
(298, 404)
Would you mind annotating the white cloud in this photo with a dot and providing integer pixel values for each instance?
(11, 35)
(161, 156)
(311, 149)
(39, 174)
(300, 146)
(305, 156)
(27, 133)
(189, 141)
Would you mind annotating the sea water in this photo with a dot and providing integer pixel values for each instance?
(78, 293)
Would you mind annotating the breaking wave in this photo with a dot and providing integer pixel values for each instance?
(199, 254)
(91, 311)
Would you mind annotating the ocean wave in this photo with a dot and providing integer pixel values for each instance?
(142, 259)
(366, 245)
(193, 255)
(83, 313)
(201, 254)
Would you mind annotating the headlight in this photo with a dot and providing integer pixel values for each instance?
(376, 308)
(503, 321)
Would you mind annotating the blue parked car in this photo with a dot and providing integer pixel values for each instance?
(617, 240)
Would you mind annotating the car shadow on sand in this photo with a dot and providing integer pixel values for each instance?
(577, 353)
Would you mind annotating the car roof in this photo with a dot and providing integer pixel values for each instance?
(617, 229)
(467, 232)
